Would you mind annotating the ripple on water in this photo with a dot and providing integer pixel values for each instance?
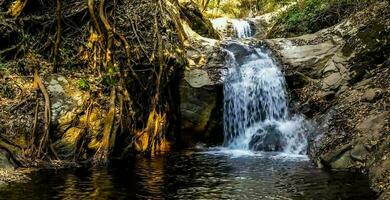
(214, 173)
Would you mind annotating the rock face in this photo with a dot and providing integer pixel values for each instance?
(340, 79)
(201, 92)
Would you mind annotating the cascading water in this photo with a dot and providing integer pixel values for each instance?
(242, 28)
(256, 114)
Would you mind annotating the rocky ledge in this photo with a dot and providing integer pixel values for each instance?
(340, 79)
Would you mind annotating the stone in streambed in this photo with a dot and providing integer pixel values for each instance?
(268, 139)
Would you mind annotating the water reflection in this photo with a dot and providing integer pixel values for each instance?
(194, 175)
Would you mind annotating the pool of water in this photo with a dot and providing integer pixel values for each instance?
(196, 174)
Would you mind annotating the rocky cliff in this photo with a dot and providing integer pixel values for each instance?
(339, 78)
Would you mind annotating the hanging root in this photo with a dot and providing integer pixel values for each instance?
(151, 140)
(58, 36)
(45, 144)
(14, 151)
(109, 134)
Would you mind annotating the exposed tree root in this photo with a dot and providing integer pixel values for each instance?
(58, 36)
(134, 56)
(107, 142)
(45, 144)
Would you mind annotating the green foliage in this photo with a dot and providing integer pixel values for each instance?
(109, 79)
(308, 16)
(242, 8)
(83, 84)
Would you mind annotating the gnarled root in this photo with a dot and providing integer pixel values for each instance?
(44, 144)
(109, 132)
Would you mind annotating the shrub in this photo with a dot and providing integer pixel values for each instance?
(83, 84)
(308, 16)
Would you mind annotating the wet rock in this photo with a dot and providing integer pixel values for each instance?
(200, 92)
(338, 157)
(268, 139)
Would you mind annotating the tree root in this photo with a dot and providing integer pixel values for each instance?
(45, 144)
(108, 140)
(58, 36)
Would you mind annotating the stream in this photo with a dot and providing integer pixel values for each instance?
(196, 174)
(263, 155)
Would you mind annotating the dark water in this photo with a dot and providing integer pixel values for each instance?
(194, 175)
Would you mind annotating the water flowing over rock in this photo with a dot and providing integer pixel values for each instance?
(235, 28)
(256, 114)
(242, 28)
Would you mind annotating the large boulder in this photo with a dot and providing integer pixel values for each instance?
(201, 92)
(267, 139)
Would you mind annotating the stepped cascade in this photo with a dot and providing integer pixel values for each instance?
(256, 114)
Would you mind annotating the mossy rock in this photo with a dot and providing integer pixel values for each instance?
(198, 22)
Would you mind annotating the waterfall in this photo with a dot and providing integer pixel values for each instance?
(256, 114)
(242, 28)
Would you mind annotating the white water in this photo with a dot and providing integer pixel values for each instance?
(255, 105)
(242, 28)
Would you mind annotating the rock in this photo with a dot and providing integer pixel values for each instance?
(332, 81)
(5, 161)
(197, 21)
(66, 146)
(268, 139)
(197, 78)
(336, 154)
(240, 51)
(67, 100)
(343, 162)
(373, 125)
(344, 90)
(198, 102)
(372, 94)
(359, 153)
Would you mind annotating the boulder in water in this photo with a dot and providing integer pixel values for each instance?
(267, 139)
